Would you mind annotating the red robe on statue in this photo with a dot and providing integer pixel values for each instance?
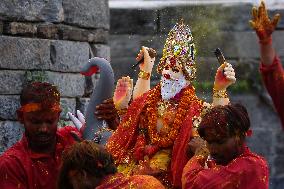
(121, 144)
(248, 171)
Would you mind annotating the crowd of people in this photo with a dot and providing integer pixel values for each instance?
(163, 137)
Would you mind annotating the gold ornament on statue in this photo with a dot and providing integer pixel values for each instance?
(179, 47)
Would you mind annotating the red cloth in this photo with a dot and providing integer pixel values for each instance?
(248, 171)
(23, 169)
(273, 78)
(118, 181)
(121, 143)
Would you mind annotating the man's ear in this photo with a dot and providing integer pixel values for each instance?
(84, 174)
(77, 174)
(239, 140)
(59, 112)
(20, 116)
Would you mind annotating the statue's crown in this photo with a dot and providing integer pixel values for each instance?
(179, 46)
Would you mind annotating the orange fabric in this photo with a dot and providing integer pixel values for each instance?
(119, 181)
(33, 107)
(244, 172)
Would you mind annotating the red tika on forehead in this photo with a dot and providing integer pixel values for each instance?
(33, 107)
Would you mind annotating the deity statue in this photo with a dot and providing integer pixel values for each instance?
(158, 124)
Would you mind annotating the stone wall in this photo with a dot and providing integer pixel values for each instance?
(47, 41)
(224, 26)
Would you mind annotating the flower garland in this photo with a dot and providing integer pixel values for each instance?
(151, 115)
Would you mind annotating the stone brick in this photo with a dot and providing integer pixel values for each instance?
(82, 104)
(261, 115)
(279, 165)
(85, 13)
(100, 50)
(10, 133)
(207, 23)
(155, 41)
(233, 44)
(32, 10)
(11, 81)
(69, 85)
(124, 45)
(1, 27)
(206, 68)
(20, 28)
(246, 69)
(278, 42)
(68, 56)
(98, 36)
(226, 42)
(276, 182)
(207, 17)
(281, 12)
(9, 104)
(67, 105)
(24, 53)
(236, 17)
(247, 43)
(79, 34)
(279, 147)
(122, 67)
(133, 21)
(199, 17)
(261, 142)
(47, 31)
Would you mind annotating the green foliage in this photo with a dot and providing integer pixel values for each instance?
(62, 123)
(32, 76)
(241, 86)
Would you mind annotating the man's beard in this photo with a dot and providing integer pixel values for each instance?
(170, 87)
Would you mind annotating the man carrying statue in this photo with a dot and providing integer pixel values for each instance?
(159, 123)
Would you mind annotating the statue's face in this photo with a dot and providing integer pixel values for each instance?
(172, 70)
(173, 79)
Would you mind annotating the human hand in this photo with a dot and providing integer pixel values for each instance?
(144, 168)
(123, 93)
(225, 76)
(196, 144)
(261, 23)
(78, 122)
(106, 110)
(148, 62)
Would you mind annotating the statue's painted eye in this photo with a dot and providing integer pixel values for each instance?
(192, 51)
(167, 67)
(175, 69)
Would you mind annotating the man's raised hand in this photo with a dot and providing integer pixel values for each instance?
(262, 24)
(225, 77)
